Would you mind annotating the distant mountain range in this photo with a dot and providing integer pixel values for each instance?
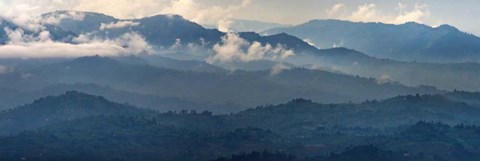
(159, 30)
(462, 76)
(331, 72)
(407, 42)
(241, 88)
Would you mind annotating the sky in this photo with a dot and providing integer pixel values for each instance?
(459, 13)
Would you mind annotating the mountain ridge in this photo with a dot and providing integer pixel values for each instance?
(406, 42)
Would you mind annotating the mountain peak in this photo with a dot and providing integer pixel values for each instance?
(53, 109)
(72, 97)
(170, 16)
(416, 24)
(447, 28)
(93, 59)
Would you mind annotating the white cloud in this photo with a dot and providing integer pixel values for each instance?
(384, 79)
(234, 48)
(366, 12)
(120, 8)
(224, 24)
(56, 18)
(119, 24)
(199, 13)
(181, 50)
(24, 12)
(416, 15)
(309, 42)
(5, 69)
(279, 68)
(369, 12)
(335, 9)
(22, 45)
(19, 37)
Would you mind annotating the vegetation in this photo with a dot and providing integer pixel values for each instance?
(85, 127)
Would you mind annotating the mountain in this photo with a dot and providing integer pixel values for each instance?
(462, 76)
(50, 110)
(472, 98)
(291, 42)
(406, 42)
(245, 88)
(182, 65)
(365, 61)
(149, 27)
(11, 98)
(78, 22)
(223, 91)
(161, 31)
(239, 25)
(305, 115)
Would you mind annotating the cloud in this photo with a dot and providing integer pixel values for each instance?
(199, 13)
(18, 36)
(384, 79)
(20, 9)
(279, 68)
(55, 19)
(369, 12)
(335, 9)
(5, 69)
(119, 24)
(21, 45)
(224, 24)
(366, 12)
(120, 8)
(182, 50)
(309, 42)
(419, 12)
(24, 12)
(234, 48)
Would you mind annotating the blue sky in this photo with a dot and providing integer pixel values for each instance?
(459, 13)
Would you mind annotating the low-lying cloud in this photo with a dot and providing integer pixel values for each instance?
(21, 45)
(234, 48)
(55, 19)
(119, 24)
(5, 69)
(384, 79)
(279, 68)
